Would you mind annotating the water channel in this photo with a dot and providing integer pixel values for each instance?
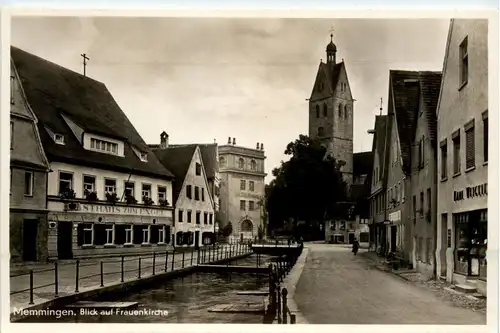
(187, 299)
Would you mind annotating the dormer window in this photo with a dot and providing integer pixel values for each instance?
(59, 139)
(104, 146)
(144, 157)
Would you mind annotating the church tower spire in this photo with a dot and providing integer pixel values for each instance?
(331, 52)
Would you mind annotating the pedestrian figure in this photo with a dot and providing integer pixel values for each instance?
(355, 246)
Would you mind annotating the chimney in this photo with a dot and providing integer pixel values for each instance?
(234, 141)
(261, 146)
(163, 140)
(229, 141)
(257, 146)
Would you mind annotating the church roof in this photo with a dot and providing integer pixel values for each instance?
(407, 88)
(331, 47)
(332, 73)
(53, 91)
(177, 160)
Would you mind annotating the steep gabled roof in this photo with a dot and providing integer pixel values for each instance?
(362, 163)
(177, 160)
(430, 84)
(331, 73)
(380, 136)
(53, 91)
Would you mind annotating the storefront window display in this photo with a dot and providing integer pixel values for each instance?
(471, 234)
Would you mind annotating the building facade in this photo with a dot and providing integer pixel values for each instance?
(28, 180)
(107, 194)
(331, 112)
(194, 215)
(242, 192)
(462, 213)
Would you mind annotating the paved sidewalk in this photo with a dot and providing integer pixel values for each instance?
(337, 287)
(89, 273)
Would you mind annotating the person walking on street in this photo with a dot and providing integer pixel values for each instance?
(355, 246)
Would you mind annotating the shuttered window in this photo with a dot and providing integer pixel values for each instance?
(470, 151)
(444, 160)
(456, 153)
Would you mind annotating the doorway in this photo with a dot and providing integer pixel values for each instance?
(30, 233)
(351, 238)
(393, 238)
(445, 243)
(196, 239)
(65, 240)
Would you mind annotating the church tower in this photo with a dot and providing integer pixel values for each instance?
(331, 110)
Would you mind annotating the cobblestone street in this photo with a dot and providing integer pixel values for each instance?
(337, 287)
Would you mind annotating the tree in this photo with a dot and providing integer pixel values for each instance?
(227, 230)
(307, 186)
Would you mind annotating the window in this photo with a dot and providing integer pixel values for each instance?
(210, 218)
(198, 217)
(340, 110)
(396, 193)
(128, 234)
(189, 193)
(28, 184)
(189, 213)
(222, 161)
(143, 156)
(444, 160)
(161, 234)
(485, 136)
(242, 205)
(11, 135)
(12, 82)
(129, 189)
(421, 204)
(59, 139)
(145, 235)
(110, 185)
(198, 169)
(110, 147)
(180, 216)
(251, 186)
(65, 182)
(205, 218)
(251, 205)
(242, 185)
(162, 193)
(253, 165)
(321, 131)
(241, 163)
(456, 153)
(196, 193)
(470, 149)
(146, 191)
(325, 110)
(88, 184)
(346, 113)
(317, 111)
(202, 194)
(85, 234)
(110, 235)
(464, 63)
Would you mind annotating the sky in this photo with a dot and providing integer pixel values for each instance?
(206, 79)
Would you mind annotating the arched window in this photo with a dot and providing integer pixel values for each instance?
(222, 161)
(317, 111)
(321, 131)
(325, 111)
(241, 163)
(340, 110)
(246, 226)
(346, 112)
(253, 165)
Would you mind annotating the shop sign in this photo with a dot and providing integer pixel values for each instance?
(471, 192)
(395, 216)
(123, 210)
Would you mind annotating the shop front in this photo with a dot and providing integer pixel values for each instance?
(81, 229)
(471, 234)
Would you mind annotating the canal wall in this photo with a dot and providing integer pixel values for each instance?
(114, 288)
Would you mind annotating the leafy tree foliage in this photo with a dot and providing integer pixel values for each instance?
(306, 187)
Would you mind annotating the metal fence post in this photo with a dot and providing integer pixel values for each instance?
(102, 274)
(183, 259)
(154, 262)
(31, 287)
(122, 272)
(166, 260)
(139, 276)
(285, 308)
(192, 258)
(173, 260)
(293, 320)
(77, 273)
(56, 277)
(198, 258)
(278, 306)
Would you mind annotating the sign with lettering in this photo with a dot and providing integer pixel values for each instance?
(123, 210)
(471, 192)
(396, 216)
